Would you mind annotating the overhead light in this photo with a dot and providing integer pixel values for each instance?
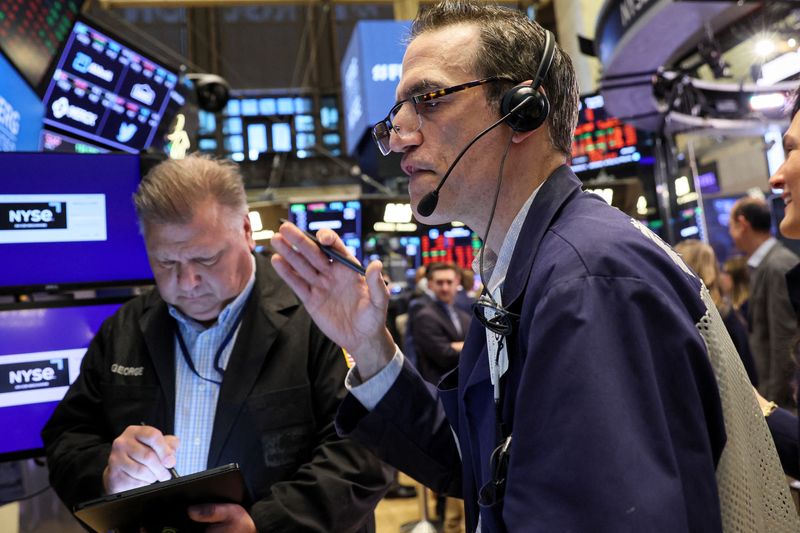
(641, 205)
(682, 186)
(780, 68)
(263, 235)
(791, 42)
(397, 213)
(760, 102)
(764, 47)
(255, 221)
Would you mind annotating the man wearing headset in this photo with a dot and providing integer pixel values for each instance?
(585, 397)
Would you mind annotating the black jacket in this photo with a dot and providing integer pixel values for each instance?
(274, 417)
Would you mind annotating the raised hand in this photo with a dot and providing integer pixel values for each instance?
(348, 308)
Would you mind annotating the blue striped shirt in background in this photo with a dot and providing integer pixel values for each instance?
(196, 398)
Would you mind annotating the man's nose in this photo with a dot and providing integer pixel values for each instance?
(188, 277)
(406, 129)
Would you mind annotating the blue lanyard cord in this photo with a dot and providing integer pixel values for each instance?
(220, 350)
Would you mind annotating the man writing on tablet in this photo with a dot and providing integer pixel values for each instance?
(222, 364)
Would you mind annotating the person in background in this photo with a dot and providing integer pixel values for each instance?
(783, 423)
(771, 317)
(439, 326)
(465, 296)
(586, 396)
(735, 283)
(701, 258)
(220, 363)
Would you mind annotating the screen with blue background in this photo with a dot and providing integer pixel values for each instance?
(21, 111)
(68, 219)
(107, 92)
(370, 72)
(40, 353)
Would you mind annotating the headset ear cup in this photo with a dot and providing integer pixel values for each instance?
(531, 115)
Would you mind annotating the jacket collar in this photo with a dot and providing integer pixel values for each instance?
(559, 187)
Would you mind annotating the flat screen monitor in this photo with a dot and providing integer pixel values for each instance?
(717, 211)
(67, 220)
(456, 245)
(21, 111)
(50, 141)
(40, 355)
(602, 141)
(343, 217)
(107, 92)
(32, 31)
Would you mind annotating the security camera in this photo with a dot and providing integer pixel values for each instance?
(212, 91)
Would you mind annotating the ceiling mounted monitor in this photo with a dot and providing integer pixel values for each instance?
(32, 31)
(107, 92)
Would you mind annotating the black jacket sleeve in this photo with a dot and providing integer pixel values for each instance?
(77, 442)
(341, 482)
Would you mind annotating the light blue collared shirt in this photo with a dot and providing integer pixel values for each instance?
(196, 398)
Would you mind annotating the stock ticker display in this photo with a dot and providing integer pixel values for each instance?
(107, 92)
(602, 141)
(31, 32)
(456, 245)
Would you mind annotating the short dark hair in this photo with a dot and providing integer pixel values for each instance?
(796, 103)
(438, 267)
(756, 212)
(511, 47)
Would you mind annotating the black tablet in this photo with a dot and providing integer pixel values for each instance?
(162, 505)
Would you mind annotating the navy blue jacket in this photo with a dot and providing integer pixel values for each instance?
(610, 395)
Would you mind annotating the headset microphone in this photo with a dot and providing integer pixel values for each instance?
(427, 205)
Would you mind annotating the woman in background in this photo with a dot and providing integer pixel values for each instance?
(701, 258)
(735, 283)
(783, 425)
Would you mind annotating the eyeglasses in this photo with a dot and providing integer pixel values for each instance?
(382, 131)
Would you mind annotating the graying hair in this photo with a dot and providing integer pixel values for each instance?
(172, 190)
(511, 47)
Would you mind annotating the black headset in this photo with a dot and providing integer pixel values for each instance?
(536, 107)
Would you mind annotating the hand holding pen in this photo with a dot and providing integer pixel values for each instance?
(350, 310)
(139, 456)
(332, 254)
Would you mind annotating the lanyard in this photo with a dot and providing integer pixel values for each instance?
(220, 350)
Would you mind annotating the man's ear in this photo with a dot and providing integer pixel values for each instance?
(520, 136)
(248, 233)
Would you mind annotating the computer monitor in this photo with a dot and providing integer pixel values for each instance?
(57, 142)
(21, 111)
(41, 347)
(449, 244)
(717, 211)
(32, 31)
(67, 220)
(107, 92)
(602, 141)
(343, 217)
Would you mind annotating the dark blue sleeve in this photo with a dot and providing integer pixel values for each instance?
(783, 426)
(737, 329)
(618, 423)
(409, 430)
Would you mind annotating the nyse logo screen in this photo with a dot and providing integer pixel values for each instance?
(40, 218)
(25, 216)
(26, 375)
(105, 91)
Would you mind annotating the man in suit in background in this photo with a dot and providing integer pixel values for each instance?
(771, 317)
(439, 326)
